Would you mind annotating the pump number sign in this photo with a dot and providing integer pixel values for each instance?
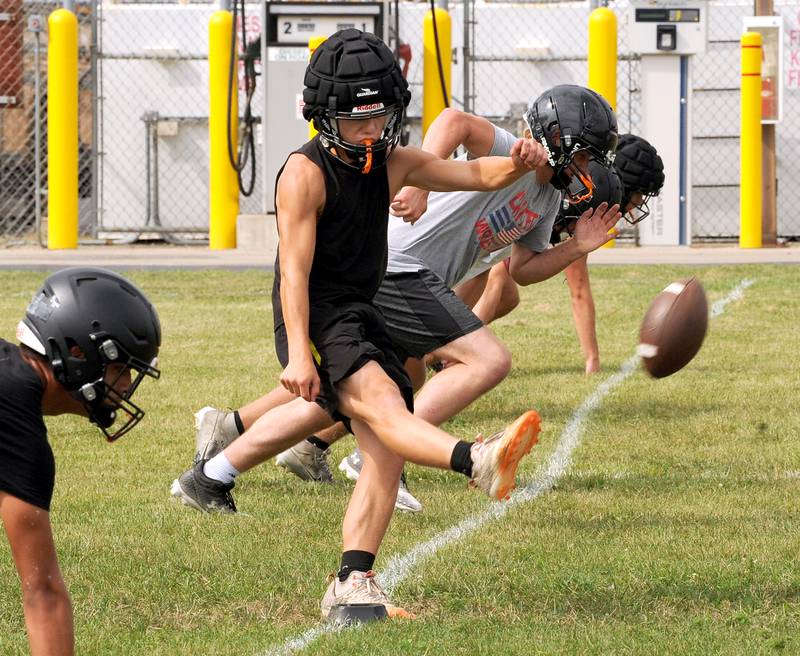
(292, 29)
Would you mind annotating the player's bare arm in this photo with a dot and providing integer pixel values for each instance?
(414, 167)
(300, 199)
(596, 228)
(451, 129)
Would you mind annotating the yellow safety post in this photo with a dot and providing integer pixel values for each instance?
(750, 143)
(603, 58)
(223, 186)
(62, 130)
(313, 43)
(433, 100)
(603, 54)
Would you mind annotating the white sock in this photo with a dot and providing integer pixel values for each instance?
(220, 469)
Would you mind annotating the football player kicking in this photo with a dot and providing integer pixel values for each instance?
(84, 335)
(339, 362)
(422, 314)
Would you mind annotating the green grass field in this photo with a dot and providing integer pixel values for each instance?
(675, 531)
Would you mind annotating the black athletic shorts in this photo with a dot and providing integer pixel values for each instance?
(344, 337)
(27, 466)
(422, 313)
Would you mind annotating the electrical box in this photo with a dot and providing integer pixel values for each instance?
(11, 29)
(673, 27)
(288, 26)
(771, 30)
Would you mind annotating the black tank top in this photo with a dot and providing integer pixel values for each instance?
(351, 247)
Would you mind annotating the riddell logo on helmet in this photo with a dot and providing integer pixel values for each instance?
(366, 92)
(367, 108)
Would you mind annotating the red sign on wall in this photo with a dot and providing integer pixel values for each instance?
(10, 52)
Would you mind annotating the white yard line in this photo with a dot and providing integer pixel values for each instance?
(400, 567)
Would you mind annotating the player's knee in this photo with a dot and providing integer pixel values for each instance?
(385, 403)
(497, 363)
(44, 593)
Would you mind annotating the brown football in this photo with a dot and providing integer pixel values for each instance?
(674, 327)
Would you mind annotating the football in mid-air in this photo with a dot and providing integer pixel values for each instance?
(674, 327)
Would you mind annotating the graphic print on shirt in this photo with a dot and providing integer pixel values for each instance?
(506, 224)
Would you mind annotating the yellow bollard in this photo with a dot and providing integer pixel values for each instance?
(223, 185)
(314, 42)
(603, 54)
(433, 101)
(603, 58)
(750, 143)
(62, 130)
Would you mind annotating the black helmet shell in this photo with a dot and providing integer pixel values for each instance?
(639, 166)
(354, 75)
(569, 118)
(84, 307)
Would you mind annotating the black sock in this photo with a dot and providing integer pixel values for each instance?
(318, 442)
(238, 420)
(355, 561)
(461, 458)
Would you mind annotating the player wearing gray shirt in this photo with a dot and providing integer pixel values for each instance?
(459, 229)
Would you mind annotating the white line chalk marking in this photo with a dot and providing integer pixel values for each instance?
(400, 567)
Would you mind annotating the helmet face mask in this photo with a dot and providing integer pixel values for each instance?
(96, 329)
(640, 210)
(108, 399)
(607, 188)
(353, 76)
(369, 154)
(568, 119)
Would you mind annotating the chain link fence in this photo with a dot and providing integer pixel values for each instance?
(153, 81)
(144, 104)
(23, 119)
(715, 127)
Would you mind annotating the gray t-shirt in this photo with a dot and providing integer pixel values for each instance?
(462, 228)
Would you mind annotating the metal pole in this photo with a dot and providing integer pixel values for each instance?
(467, 54)
(69, 5)
(769, 207)
(37, 139)
(95, 130)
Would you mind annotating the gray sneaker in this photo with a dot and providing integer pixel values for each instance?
(205, 494)
(307, 461)
(351, 466)
(216, 429)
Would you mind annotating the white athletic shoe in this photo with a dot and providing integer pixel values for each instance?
(211, 435)
(359, 588)
(351, 466)
(307, 461)
(495, 459)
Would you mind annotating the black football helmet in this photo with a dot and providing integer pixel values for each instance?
(607, 189)
(84, 319)
(642, 171)
(567, 119)
(354, 75)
